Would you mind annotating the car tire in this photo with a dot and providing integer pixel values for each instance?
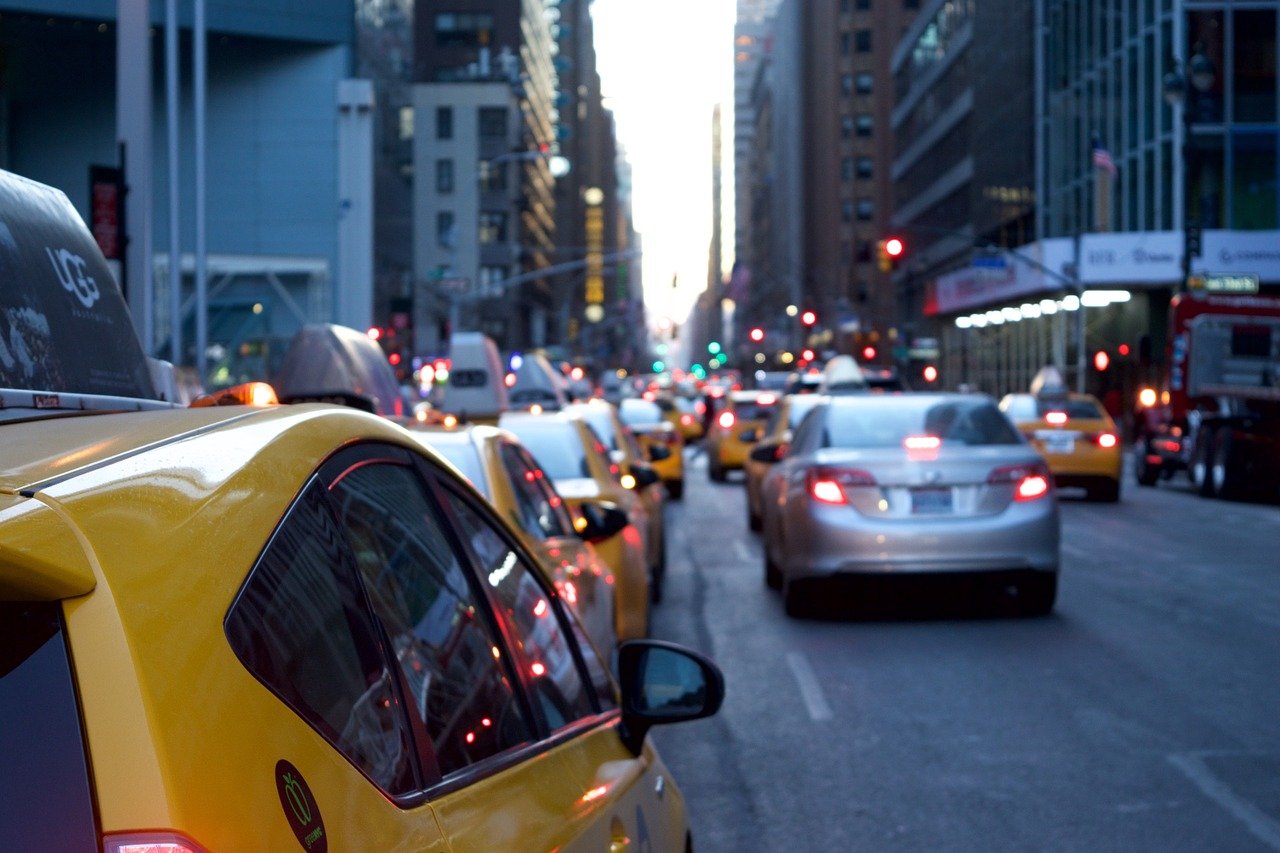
(1226, 479)
(1146, 473)
(772, 574)
(716, 472)
(754, 521)
(798, 599)
(1198, 468)
(675, 490)
(1108, 492)
(1037, 594)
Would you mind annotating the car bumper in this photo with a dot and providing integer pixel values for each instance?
(830, 541)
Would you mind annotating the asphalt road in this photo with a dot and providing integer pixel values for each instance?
(1143, 714)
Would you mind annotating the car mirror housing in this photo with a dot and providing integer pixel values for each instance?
(645, 475)
(663, 682)
(659, 452)
(768, 452)
(749, 435)
(603, 519)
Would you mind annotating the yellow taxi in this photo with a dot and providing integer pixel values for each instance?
(504, 472)
(283, 627)
(661, 443)
(685, 414)
(737, 426)
(637, 473)
(572, 455)
(770, 447)
(1075, 435)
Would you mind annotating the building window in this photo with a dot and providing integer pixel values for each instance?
(846, 127)
(846, 84)
(493, 227)
(862, 83)
(846, 210)
(846, 169)
(446, 232)
(846, 44)
(491, 279)
(493, 122)
(444, 175)
(405, 123)
(865, 167)
(862, 41)
(866, 209)
(444, 123)
(865, 124)
(463, 30)
(864, 4)
(864, 251)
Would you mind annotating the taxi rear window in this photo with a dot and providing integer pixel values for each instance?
(45, 798)
(751, 411)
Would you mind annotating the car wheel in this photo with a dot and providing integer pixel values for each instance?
(1226, 480)
(1108, 492)
(675, 489)
(1146, 473)
(754, 521)
(772, 574)
(716, 472)
(1037, 593)
(798, 599)
(1199, 467)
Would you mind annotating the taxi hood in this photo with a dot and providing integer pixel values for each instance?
(64, 325)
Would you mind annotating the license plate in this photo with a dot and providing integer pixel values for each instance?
(931, 500)
(1058, 442)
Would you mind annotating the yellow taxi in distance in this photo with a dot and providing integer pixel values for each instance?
(280, 627)
(737, 427)
(1076, 437)
(661, 443)
(503, 471)
(577, 462)
(685, 414)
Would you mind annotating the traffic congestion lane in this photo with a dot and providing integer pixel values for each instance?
(1137, 715)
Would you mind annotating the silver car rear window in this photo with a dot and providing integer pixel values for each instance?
(967, 422)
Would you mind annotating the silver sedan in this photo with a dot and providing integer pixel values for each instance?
(923, 484)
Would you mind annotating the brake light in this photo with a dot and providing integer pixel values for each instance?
(922, 442)
(686, 420)
(1055, 418)
(1107, 440)
(246, 394)
(726, 420)
(150, 842)
(827, 484)
(766, 399)
(1030, 482)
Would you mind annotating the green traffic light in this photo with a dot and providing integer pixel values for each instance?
(713, 347)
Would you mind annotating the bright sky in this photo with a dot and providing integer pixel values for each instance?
(664, 65)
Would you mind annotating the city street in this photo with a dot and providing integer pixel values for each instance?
(1140, 715)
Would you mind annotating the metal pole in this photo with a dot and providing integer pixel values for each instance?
(133, 130)
(201, 77)
(171, 108)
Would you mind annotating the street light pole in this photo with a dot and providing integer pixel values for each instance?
(1183, 87)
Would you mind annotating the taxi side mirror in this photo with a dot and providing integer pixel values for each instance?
(749, 435)
(768, 453)
(644, 474)
(662, 683)
(601, 520)
(659, 452)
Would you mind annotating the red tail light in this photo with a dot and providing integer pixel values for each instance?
(726, 420)
(685, 420)
(1107, 440)
(1030, 482)
(827, 484)
(922, 442)
(1055, 418)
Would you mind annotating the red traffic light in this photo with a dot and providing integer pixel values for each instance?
(930, 373)
(868, 353)
(757, 334)
(807, 355)
(894, 247)
(808, 318)
(1101, 360)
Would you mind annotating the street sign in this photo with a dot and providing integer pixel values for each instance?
(1224, 283)
(454, 284)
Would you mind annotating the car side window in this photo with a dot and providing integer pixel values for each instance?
(808, 432)
(544, 648)
(448, 651)
(562, 518)
(300, 625)
(536, 513)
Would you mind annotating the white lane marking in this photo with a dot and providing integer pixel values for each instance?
(1255, 820)
(810, 690)
(743, 552)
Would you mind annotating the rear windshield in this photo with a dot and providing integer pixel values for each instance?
(640, 413)
(1030, 408)
(967, 422)
(45, 798)
(749, 410)
(463, 455)
(556, 449)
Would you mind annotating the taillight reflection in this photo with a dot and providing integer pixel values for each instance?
(1030, 482)
(150, 842)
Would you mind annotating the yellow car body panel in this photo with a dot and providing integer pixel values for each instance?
(171, 538)
(726, 449)
(671, 469)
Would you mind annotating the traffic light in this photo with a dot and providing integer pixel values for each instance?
(1101, 360)
(889, 251)
(756, 334)
(809, 318)
(868, 353)
(930, 373)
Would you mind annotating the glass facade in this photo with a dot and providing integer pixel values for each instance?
(1105, 62)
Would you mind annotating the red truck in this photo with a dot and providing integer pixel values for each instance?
(1217, 416)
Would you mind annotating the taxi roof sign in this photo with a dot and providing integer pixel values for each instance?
(64, 325)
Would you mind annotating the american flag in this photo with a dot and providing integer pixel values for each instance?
(1102, 157)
